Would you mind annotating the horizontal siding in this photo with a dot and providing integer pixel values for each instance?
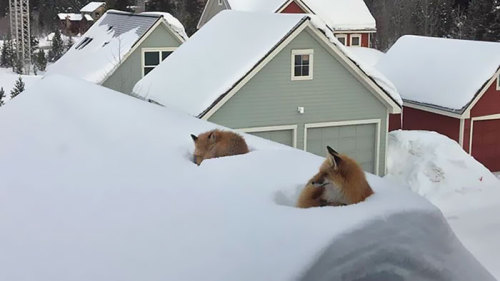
(130, 72)
(271, 98)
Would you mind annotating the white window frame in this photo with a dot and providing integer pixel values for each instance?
(309, 52)
(344, 36)
(498, 82)
(144, 50)
(357, 36)
(272, 128)
(377, 122)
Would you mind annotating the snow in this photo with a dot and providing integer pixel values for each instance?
(340, 15)
(46, 41)
(172, 21)
(369, 56)
(224, 60)
(343, 15)
(8, 80)
(72, 17)
(170, 83)
(438, 71)
(91, 7)
(113, 37)
(92, 192)
(366, 66)
(467, 193)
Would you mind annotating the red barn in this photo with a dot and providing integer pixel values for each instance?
(351, 21)
(451, 87)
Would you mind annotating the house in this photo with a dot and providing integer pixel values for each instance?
(451, 87)
(72, 24)
(279, 77)
(120, 48)
(351, 21)
(94, 9)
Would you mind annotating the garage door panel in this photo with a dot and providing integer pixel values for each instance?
(281, 136)
(357, 141)
(486, 143)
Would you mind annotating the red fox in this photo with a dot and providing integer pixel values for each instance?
(217, 143)
(340, 181)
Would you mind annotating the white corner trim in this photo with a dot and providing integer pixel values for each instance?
(483, 91)
(254, 71)
(295, 52)
(349, 123)
(355, 35)
(272, 128)
(498, 82)
(461, 133)
(144, 50)
(479, 118)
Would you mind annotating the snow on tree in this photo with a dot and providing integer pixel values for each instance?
(2, 95)
(40, 61)
(57, 47)
(7, 55)
(18, 88)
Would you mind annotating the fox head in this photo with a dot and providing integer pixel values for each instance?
(332, 171)
(203, 145)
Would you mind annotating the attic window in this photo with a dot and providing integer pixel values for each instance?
(356, 40)
(153, 57)
(342, 38)
(302, 64)
(83, 43)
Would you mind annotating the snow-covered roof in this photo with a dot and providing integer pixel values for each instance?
(113, 194)
(369, 55)
(224, 61)
(88, 17)
(91, 7)
(341, 15)
(70, 16)
(102, 48)
(439, 72)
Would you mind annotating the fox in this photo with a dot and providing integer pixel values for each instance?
(217, 143)
(340, 181)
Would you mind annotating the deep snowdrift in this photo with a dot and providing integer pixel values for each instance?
(97, 185)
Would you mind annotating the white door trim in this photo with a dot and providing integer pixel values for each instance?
(479, 118)
(272, 128)
(349, 123)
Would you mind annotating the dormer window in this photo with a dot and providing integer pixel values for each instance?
(342, 38)
(152, 57)
(302, 64)
(356, 40)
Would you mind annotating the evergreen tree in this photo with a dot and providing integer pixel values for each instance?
(18, 66)
(40, 61)
(122, 5)
(57, 47)
(70, 43)
(7, 55)
(2, 95)
(18, 88)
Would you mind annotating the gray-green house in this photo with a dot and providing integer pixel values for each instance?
(282, 78)
(120, 48)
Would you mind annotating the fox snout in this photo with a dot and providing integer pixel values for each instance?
(319, 181)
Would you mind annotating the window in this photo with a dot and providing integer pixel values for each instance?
(355, 39)
(342, 38)
(84, 43)
(152, 57)
(302, 64)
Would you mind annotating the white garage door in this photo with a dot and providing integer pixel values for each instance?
(358, 141)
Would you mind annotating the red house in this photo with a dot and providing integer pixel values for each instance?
(350, 20)
(451, 87)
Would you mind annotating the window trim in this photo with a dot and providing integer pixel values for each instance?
(309, 52)
(338, 36)
(358, 36)
(144, 50)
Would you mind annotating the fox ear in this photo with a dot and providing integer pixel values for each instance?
(333, 157)
(212, 137)
(195, 138)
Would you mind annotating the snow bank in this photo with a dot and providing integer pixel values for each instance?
(433, 165)
(8, 81)
(466, 192)
(92, 192)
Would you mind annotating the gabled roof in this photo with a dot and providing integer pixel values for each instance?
(221, 54)
(109, 41)
(445, 74)
(337, 14)
(91, 7)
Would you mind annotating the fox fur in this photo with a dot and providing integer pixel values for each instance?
(217, 143)
(340, 181)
